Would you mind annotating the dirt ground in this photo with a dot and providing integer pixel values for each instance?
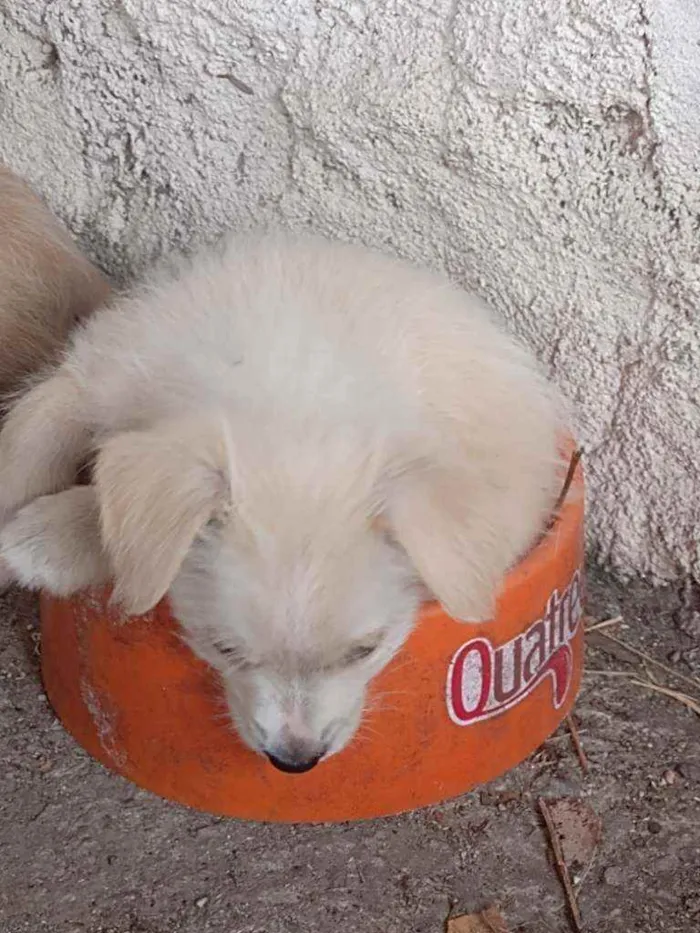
(82, 851)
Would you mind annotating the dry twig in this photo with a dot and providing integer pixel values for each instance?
(604, 623)
(576, 742)
(633, 677)
(683, 698)
(601, 637)
(562, 870)
(561, 498)
(595, 672)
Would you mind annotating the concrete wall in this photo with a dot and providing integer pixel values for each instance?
(543, 152)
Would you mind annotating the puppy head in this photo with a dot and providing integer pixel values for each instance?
(297, 628)
(279, 565)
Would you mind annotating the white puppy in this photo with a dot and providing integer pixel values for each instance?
(291, 438)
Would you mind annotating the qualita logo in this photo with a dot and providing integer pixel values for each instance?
(484, 681)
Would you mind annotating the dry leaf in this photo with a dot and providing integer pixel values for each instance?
(486, 921)
(579, 830)
(559, 861)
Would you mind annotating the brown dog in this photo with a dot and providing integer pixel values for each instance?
(46, 284)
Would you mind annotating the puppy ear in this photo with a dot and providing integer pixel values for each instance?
(54, 544)
(156, 489)
(453, 550)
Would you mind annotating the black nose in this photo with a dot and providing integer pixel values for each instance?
(296, 766)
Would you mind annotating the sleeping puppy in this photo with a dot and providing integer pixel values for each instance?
(293, 439)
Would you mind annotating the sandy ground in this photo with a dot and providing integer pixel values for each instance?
(82, 851)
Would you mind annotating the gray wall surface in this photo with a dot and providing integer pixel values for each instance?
(543, 153)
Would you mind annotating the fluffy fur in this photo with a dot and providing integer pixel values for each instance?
(292, 438)
(46, 284)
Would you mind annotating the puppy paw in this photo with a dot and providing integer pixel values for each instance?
(26, 553)
(53, 544)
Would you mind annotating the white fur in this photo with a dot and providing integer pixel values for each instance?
(292, 436)
(54, 543)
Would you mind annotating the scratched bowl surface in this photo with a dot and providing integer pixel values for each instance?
(467, 702)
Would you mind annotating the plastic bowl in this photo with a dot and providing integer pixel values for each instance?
(467, 702)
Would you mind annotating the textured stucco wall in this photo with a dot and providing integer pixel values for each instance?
(544, 153)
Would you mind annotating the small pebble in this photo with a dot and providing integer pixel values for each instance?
(613, 876)
(669, 776)
(654, 826)
(690, 770)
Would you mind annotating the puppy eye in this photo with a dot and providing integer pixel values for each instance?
(234, 656)
(359, 653)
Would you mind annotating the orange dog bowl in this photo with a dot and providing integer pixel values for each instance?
(468, 702)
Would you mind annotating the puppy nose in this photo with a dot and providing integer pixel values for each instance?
(293, 765)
